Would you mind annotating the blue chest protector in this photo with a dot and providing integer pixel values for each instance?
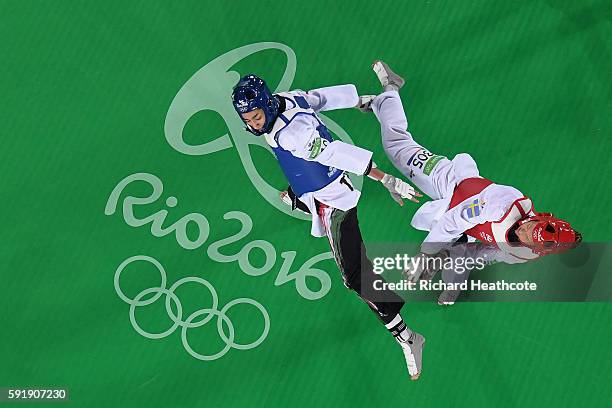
(304, 176)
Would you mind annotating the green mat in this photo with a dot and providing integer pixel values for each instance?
(91, 95)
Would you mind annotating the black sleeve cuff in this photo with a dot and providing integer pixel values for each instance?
(369, 168)
(296, 203)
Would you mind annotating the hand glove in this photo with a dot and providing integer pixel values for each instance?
(399, 189)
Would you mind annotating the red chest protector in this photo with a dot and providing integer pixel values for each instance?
(497, 231)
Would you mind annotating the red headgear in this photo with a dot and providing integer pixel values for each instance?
(551, 234)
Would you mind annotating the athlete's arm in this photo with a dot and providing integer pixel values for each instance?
(455, 222)
(447, 230)
(302, 139)
(340, 155)
(332, 97)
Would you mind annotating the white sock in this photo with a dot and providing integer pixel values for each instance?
(398, 329)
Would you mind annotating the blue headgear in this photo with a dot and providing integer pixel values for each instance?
(252, 93)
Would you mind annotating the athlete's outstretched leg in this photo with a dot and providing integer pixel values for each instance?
(433, 174)
(342, 228)
(430, 172)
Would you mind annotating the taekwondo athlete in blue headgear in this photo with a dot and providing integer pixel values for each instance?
(315, 166)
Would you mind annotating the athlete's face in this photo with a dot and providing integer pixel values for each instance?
(524, 232)
(255, 118)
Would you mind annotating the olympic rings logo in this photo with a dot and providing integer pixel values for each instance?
(188, 323)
